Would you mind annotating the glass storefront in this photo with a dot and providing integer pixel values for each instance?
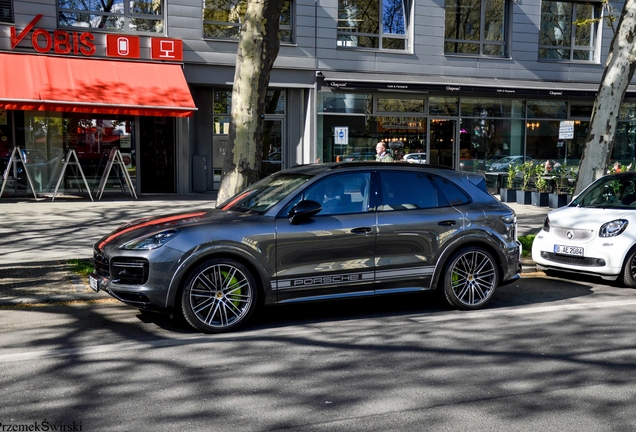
(70, 152)
(49, 141)
(469, 133)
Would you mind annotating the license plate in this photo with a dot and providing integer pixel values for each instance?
(568, 250)
(94, 283)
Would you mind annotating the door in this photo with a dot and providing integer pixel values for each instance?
(442, 145)
(415, 222)
(156, 155)
(331, 254)
(272, 151)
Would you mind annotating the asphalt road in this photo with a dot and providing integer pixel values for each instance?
(547, 354)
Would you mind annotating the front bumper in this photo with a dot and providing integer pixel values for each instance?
(138, 280)
(601, 256)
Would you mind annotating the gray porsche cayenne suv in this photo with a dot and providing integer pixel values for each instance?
(316, 232)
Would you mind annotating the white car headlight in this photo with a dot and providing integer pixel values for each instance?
(153, 241)
(613, 228)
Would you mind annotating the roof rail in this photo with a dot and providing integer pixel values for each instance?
(336, 165)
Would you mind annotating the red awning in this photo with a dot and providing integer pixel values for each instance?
(68, 84)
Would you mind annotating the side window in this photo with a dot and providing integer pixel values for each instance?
(341, 194)
(408, 190)
(453, 194)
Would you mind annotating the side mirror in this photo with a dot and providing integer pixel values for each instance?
(303, 210)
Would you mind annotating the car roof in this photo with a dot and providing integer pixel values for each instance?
(316, 169)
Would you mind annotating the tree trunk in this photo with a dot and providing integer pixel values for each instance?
(619, 70)
(257, 50)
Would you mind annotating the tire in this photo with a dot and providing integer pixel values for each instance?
(470, 279)
(629, 270)
(219, 296)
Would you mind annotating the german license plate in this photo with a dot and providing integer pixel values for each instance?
(568, 250)
(94, 283)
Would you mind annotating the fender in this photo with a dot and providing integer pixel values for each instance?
(476, 238)
(231, 250)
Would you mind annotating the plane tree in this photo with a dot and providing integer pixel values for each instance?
(258, 46)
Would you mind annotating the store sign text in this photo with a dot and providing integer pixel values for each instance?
(62, 42)
(76, 43)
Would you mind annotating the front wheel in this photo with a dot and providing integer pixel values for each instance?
(219, 296)
(470, 279)
(629, 270)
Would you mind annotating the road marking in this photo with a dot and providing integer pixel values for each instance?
(158, 343)
(493, 313)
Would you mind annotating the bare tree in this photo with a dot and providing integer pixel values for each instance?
(619, 70)
(257, 50)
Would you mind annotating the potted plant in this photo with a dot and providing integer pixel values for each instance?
(541, 196)
(524, 196)
(561, 195)
(508, 193)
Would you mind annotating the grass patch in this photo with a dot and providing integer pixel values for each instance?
(526, 242)
(81, 267)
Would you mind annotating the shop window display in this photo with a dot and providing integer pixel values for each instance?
(49, 139)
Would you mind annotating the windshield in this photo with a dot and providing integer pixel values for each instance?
(615, 191)
(264, 194)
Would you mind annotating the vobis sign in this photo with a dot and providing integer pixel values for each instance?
(84, 43)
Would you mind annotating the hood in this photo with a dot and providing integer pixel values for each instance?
(148, 225)
(587, 217)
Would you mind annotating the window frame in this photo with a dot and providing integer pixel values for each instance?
(290, 28)
(595, 35)
(407, 7)
(482, 41)
(127, 16)
(8, 16)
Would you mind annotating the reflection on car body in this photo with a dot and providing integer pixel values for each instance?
(316, 232)
(503, 164)
(419, 158)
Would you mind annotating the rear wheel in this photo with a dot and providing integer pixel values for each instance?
(470, 279)
(219, 296)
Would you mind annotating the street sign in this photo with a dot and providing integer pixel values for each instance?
(566, 129)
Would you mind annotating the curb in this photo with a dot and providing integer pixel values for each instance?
(529, 266)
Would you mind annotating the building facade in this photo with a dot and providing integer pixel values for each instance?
(466, 82)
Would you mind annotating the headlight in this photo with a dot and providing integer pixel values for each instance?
(613, 228)
(509, 219)
(153, 241)
(546, 224)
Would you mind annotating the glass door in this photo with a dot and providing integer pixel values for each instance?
(272, 147)
(442, 144)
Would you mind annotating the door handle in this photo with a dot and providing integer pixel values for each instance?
(447, 223)
(362, 230)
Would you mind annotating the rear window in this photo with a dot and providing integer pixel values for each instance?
(452, 192)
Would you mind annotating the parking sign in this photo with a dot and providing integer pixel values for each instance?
(342, 135)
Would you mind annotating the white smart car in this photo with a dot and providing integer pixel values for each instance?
(595, 234)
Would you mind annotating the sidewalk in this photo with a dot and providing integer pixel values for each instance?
(37, 237)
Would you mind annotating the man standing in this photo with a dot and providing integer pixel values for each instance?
(382, 154)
